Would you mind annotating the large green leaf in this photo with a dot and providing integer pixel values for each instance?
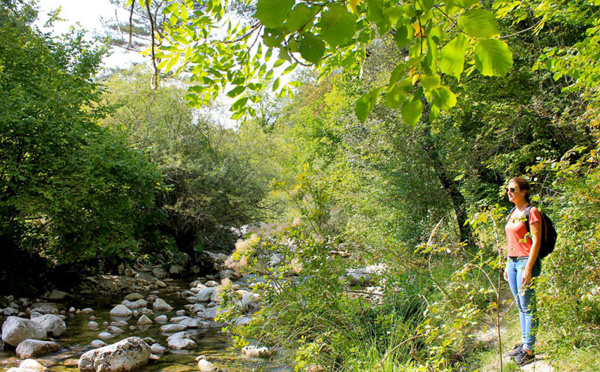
(299, 16)
(412, 109)
(272, 13)
(311, 47)
(365, 104)
(452, 56)
(430, 82)
(375, 10)
(337, 25)
(444, 98)
(492, 57)
(395, 97)
(405, 34)
(479, 23)
(431, 58)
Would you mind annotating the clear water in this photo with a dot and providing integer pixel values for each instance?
(212, 343)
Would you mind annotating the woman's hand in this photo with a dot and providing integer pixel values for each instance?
(505, 275)
(526, 279)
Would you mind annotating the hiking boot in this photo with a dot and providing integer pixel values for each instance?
(516, 351)
(524, 358)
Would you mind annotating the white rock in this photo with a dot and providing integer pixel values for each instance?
(114, 329)
(161, 319)
(87, 310)
(31, 348)
(143, 320)
(206, 366)
(161, 305)
(123, 356)
(138, 304)
(210, 313)
(243, 320)
(15, 330)
(97, 343)
(9, 311)
(32, 364)
(204, 295)
(158, 349)
(121, 311)
(105, 336)
(255, 352)
(211, 283)
(181, 340)
(53, 324)
(173, 328)
(190, 323)
(44, 308)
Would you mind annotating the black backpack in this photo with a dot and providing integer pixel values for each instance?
(548, 232)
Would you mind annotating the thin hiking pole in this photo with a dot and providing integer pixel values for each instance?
(500, 274)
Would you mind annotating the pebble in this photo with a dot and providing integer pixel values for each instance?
(105, 335)
(97, 343)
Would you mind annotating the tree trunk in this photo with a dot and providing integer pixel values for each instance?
(449, 185)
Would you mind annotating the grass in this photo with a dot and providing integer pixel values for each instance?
(551, 350)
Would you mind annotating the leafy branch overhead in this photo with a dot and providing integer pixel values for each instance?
(224, 54)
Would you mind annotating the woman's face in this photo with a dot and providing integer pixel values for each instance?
(514, 193)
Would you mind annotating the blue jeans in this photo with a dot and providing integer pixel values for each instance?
(524, 298)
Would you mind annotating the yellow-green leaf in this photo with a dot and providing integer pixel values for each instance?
(492, 57)
(452, 56)
(337, 25)
(412, 109)
(273, 13)
(479, 23)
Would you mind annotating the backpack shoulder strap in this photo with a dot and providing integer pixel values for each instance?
(527, 213)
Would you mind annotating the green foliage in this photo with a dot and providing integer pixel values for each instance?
(217, 177)
(72, 192)
(328, 35)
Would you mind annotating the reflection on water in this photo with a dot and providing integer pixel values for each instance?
(76, 340)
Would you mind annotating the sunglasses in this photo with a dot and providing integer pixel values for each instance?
(511, 189)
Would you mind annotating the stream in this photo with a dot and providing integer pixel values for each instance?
(212, 343)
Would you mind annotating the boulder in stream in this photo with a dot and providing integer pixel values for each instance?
(123, 356)
(157, 348)
(172, 328)
(206, 366)
(97, 343)
(144, 320)
(121, 311)
(16, 330)
(32, 364)
(161, 305)
(256, 352)
(53, 324)
(205, 294)
(44, 308)
(31, 348)
(181, 340)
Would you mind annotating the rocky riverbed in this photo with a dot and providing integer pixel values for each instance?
(140, 320)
